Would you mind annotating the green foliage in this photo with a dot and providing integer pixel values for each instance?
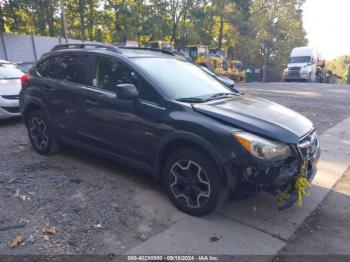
(258, 32)
(340, 66)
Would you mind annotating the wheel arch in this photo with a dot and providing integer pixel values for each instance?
(188, 140)
(30, 107)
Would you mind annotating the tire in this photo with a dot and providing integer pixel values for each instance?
(193, 182)
(309, 79)
(40, 134)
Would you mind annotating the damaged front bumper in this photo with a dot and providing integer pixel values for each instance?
(276, 177)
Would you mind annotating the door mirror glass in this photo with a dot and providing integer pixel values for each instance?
(127, 91)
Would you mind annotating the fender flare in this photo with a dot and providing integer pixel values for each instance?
(35, 102)
(191, 138)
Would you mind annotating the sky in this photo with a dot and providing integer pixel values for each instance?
(327, 23)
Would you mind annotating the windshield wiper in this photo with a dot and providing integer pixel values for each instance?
(220, 96)
(190, 100)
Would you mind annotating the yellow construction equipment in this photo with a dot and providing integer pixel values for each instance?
(196, 51)
(235, 70)
(200, 56)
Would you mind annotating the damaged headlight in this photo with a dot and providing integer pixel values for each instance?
(263, 148)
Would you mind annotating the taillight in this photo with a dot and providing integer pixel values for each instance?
(24, 79)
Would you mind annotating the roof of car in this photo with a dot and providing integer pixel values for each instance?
(130, 52)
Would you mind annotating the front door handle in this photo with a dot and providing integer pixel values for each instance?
(91, 102)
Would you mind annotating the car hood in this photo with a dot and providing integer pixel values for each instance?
(10, 86)
(259, 116)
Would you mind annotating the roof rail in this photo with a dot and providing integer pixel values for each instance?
(83, 45)
(166, 52)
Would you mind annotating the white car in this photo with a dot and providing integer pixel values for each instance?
(10, 86)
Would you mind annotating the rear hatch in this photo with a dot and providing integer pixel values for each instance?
(10, 79)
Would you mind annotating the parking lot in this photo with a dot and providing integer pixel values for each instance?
(100, 207)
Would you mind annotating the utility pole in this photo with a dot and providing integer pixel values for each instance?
(64, 22)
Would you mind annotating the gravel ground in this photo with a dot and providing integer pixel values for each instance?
(98, 207)
(93, 204)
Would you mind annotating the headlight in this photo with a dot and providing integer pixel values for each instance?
(306, 69)
(263, 148)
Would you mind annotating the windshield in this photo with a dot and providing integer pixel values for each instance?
(299, 59)
(10, 71)
(181, 79)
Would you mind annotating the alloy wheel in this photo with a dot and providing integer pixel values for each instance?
(189, 183)
(38, 133)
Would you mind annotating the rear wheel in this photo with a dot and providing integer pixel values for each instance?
(193, 182)
(40, 134)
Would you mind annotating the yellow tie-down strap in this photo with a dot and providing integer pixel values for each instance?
(302, 187)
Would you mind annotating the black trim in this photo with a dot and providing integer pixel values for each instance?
(11, 97)
(11, 109)
(112, 156)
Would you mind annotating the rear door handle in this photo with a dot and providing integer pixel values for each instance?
(91, 102)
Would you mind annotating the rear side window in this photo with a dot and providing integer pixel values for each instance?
(74, 67)
(71, 68)
(51, 67)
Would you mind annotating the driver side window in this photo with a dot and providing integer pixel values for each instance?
(110, 73)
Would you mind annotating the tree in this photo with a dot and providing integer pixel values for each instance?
(340, 66)
(259, 32)
(277, 26)
(82, 7)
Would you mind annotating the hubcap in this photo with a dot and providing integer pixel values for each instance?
(189, 183)
(38, 133)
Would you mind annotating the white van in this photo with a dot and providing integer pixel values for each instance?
(302, 65)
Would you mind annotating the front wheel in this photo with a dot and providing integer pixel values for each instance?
(309, 79)
(193, 182)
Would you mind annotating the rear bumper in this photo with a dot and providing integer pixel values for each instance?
(9, 108)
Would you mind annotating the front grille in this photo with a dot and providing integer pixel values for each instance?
(308, 145)
(13, 97)
(13, 109)
(294, 71)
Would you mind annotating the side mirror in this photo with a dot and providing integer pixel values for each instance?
(127, 91)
